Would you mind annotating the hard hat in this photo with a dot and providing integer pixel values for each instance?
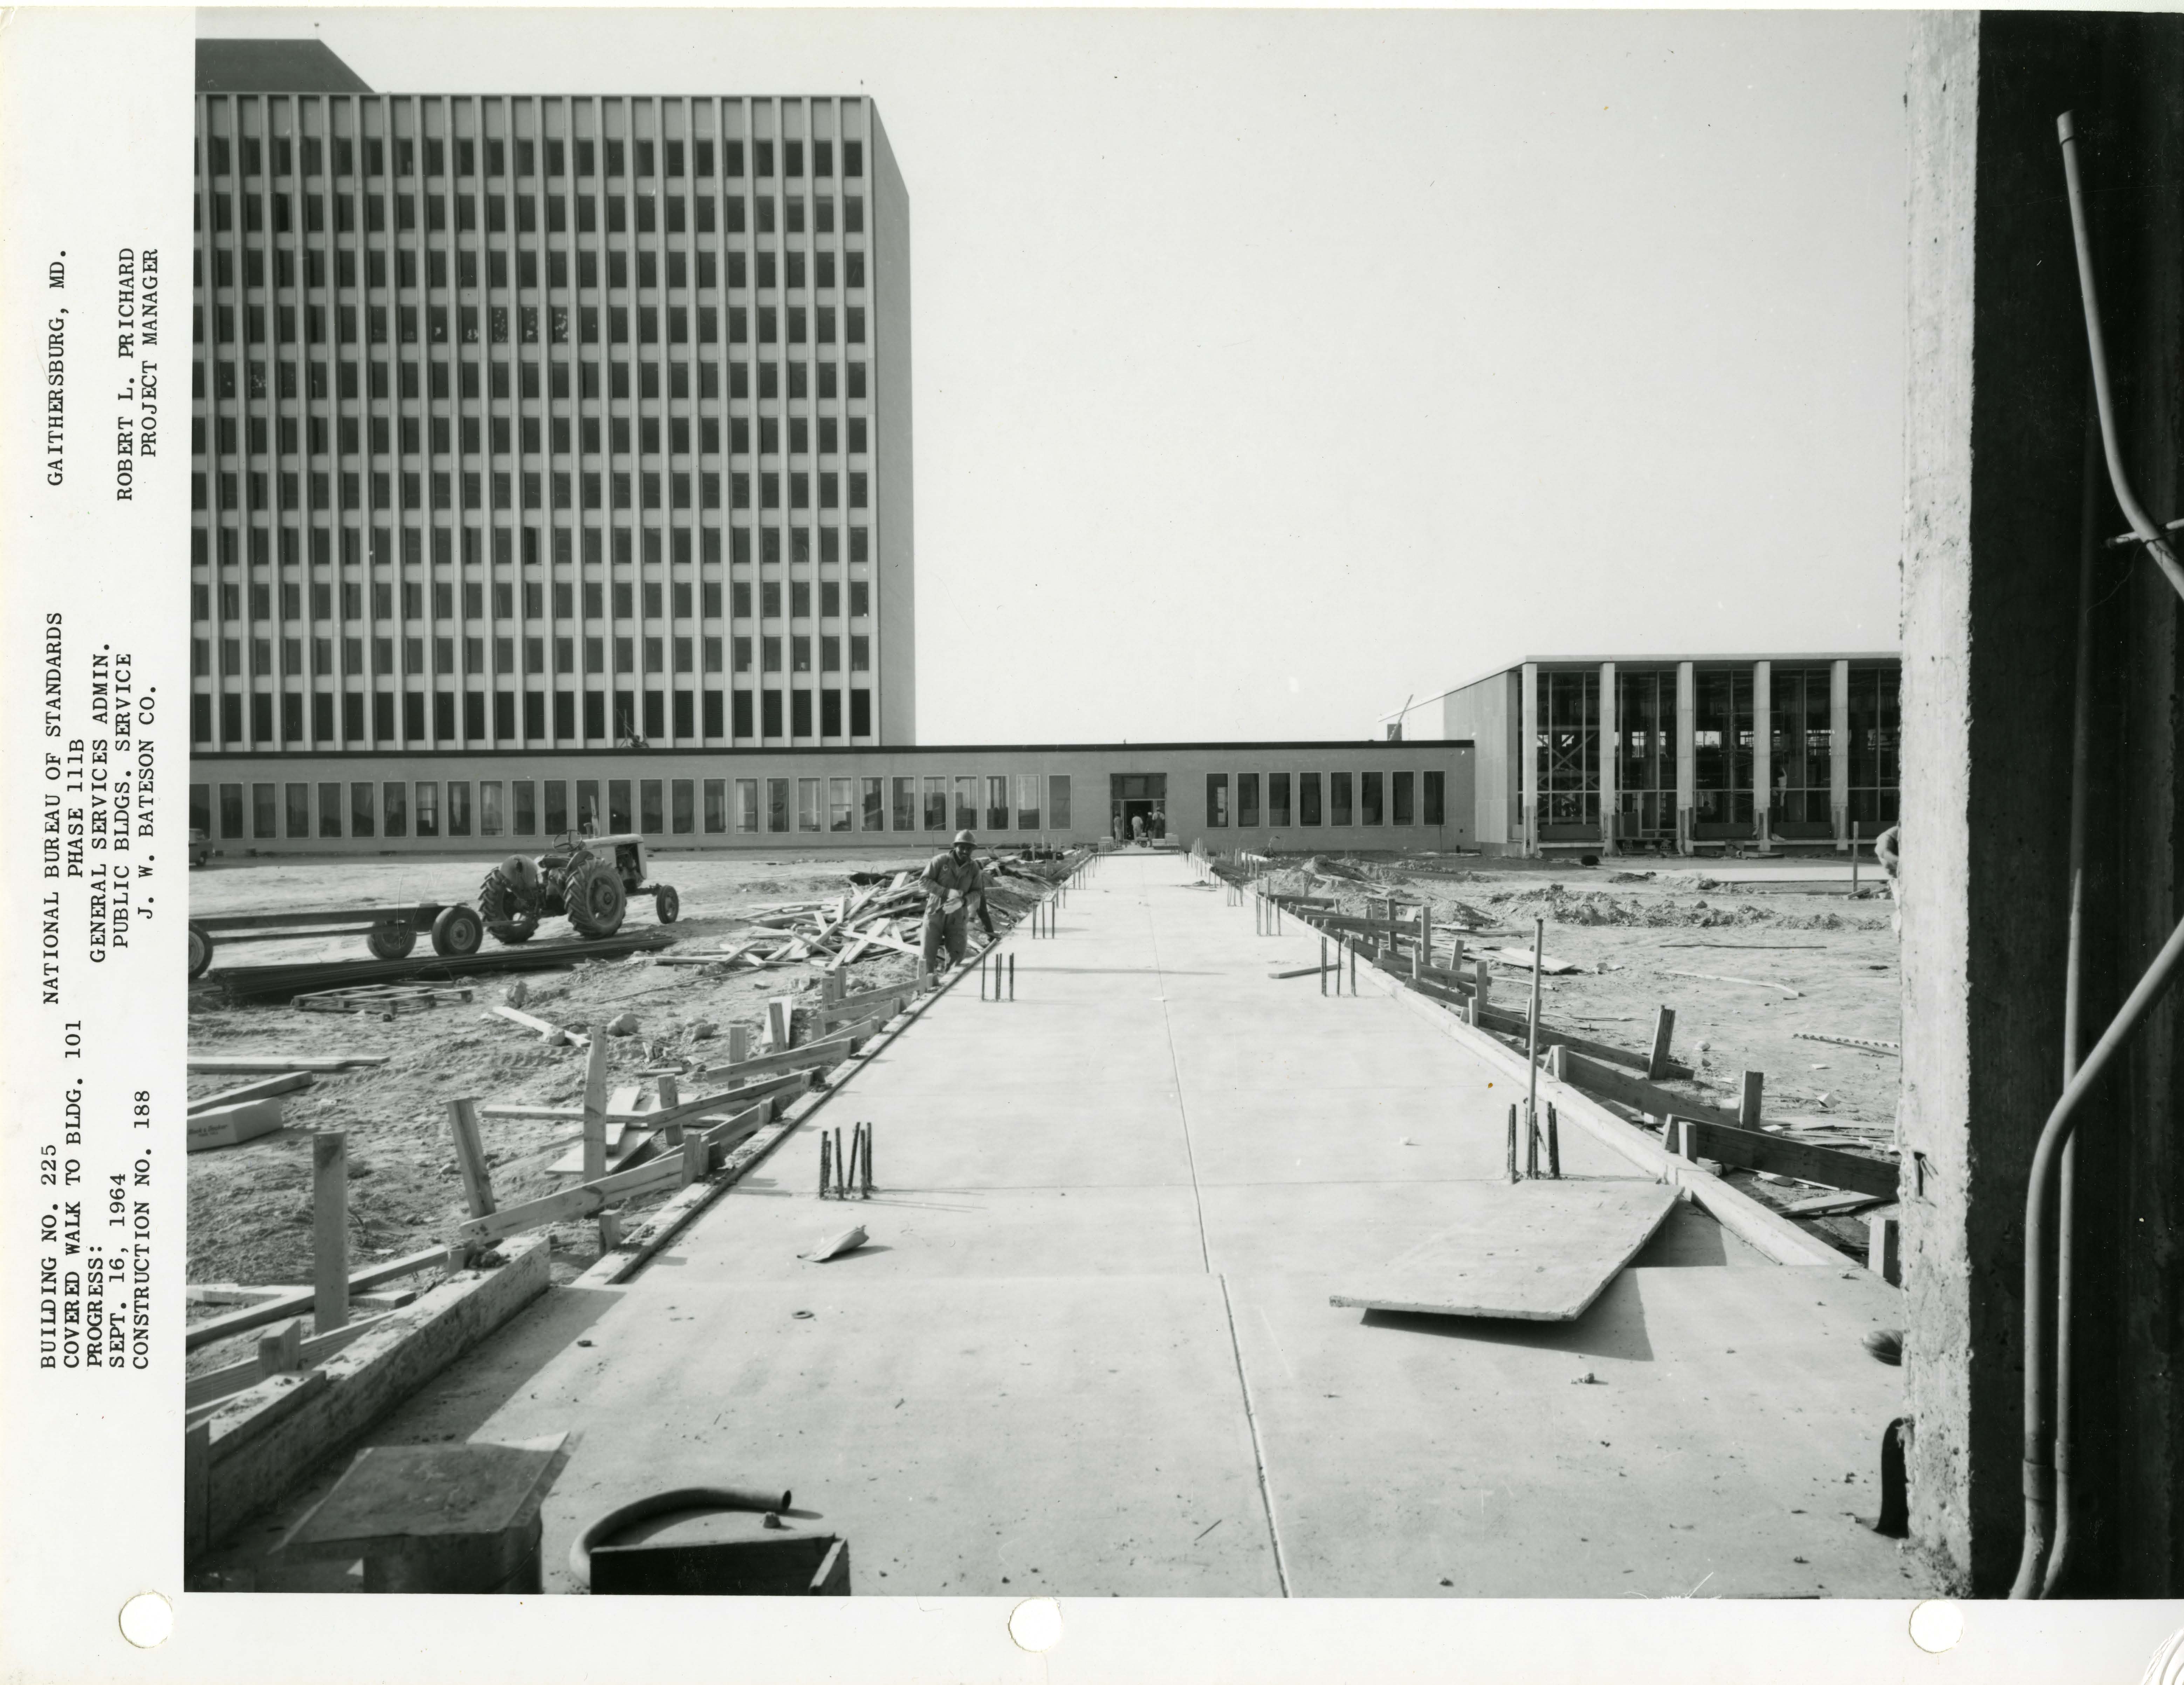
(965, 837)
(520, 870)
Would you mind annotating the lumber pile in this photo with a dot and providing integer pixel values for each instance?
(864, 921)
(871, 918)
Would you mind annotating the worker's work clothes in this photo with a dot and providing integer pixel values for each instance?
(943, 875)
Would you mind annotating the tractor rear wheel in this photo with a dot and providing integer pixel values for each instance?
(504, 914)
(597, 901)
(201, 946)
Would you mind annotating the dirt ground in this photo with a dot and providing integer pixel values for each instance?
(1812, 956)
(250, 1205)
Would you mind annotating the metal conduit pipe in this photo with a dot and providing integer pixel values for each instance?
(2066, 1198)
(2039, 1568)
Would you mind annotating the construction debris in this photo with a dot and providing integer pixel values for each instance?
(245, 1064)
(231, 1125)
(382, 1000)
(1895, 1048)
(847, 1241)
(1748, 982)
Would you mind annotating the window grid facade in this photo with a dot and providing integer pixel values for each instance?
(457, 358)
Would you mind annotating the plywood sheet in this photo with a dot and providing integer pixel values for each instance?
(1541, 1254)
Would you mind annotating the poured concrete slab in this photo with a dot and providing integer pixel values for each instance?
(1544, 1253)
(1727, 1446)
(1079, 1437)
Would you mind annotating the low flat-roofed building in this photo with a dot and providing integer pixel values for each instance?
(1319, 796)
(1680, 753)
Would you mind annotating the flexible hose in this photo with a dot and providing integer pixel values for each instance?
(663, 1503)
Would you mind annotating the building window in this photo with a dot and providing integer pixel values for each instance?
(1338, 799)
(1721, 748)
(936, 805)
(905, 804)
(1875, 739)
(1399, 791)
(746, 806)
(1247, 801)
(1435, 802)
(489, 808)
(1277, 800)
(841, 805)
(1057, 801)
(1568, 749)
(1027, 813)
(807, 804)
(1308, 809)
(428, 809)
(997, 802)
(1217, 801)
(1369, 798)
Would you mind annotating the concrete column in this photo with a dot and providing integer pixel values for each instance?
(1838, 759)
(1608, 758)
(1996, 463)
(1687, 766)
(1529, 737)
(1763, 745)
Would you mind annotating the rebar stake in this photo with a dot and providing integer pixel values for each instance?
(826, 1148)
(1512, 1143)
(1012, 977)
(1554, 1146)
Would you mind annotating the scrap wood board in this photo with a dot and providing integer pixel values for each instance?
(1550, 1251)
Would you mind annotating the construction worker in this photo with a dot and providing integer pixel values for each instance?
(953, 885)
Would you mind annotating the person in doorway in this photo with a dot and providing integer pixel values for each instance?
(1159, 825)
(1138, 827)
(953, 885)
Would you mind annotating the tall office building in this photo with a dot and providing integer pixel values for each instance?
(546, 422)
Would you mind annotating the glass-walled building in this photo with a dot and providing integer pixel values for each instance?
(1675, 754)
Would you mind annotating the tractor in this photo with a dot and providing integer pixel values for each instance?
(589, 879)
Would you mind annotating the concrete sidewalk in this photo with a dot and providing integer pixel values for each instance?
(1089, 1349)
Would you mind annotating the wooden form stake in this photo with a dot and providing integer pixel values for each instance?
(1532, 1021)
(1747, 1112)
(595, 1110)
(1664, 1032)
(470, 1156)
(329, 1231)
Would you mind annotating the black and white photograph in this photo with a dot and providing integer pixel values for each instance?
(1297, 843)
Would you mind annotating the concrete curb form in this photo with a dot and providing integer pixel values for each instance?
(1773, 1234)
(646, 1241)
(242, 1457)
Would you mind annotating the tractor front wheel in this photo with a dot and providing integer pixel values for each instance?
(666, 905)
(597, 901)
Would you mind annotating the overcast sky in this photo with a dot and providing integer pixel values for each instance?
(1272, 367)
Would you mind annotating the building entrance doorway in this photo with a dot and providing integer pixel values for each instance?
(1137, 805)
